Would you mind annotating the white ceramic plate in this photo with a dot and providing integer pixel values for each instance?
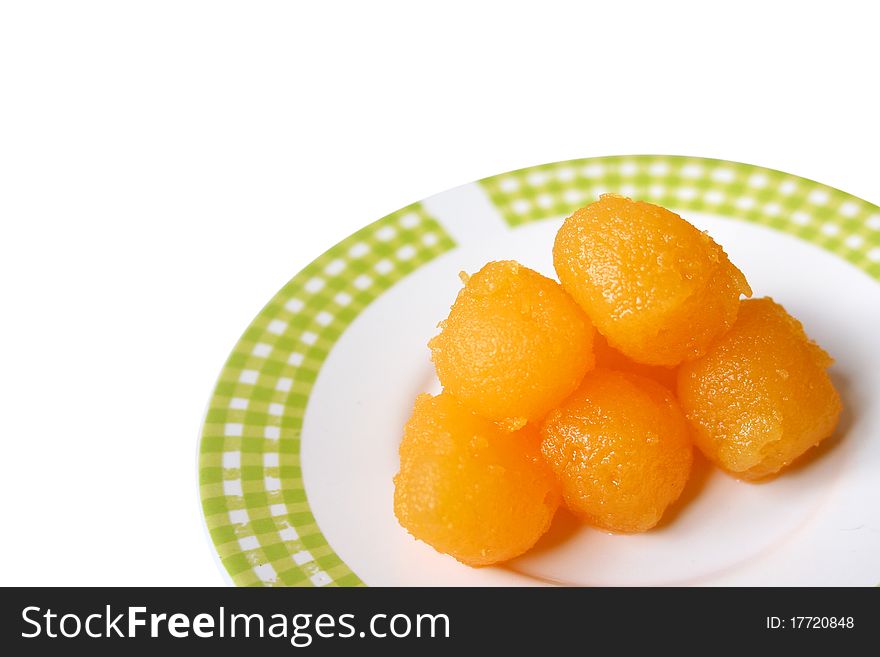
(300, 443)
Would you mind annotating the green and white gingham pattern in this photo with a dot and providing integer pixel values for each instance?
(841, 223)
(251, 483)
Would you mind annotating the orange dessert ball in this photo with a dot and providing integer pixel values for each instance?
(620, 448)
(660, 290)
(761, 396)
(609, 358)
(514, 345)
(468, 488)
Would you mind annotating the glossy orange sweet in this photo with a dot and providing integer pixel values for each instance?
(761, 396)
(657, 288)
(621, 449)
(514, 345)
(539, 407)
(468, 488)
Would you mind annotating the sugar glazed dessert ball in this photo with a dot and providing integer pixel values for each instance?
(761, 397)
(621, 450)
(657, 288)
(514, 345)
(470, 489)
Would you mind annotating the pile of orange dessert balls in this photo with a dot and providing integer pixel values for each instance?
(592, 393)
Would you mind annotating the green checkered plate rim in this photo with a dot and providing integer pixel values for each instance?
(254, 503)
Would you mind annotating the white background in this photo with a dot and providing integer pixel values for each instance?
(166, 166)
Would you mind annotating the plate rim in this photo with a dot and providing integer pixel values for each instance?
(254, 506)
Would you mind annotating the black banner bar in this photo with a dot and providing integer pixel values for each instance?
(435, 621)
